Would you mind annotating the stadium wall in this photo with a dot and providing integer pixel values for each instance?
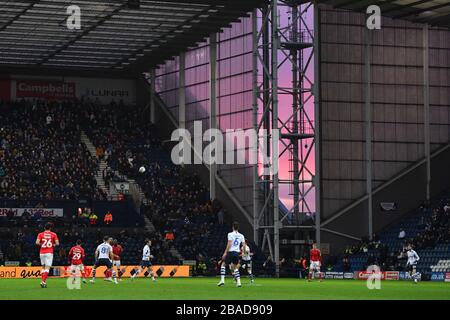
(397, 117)
(165, 127)
(406, 192)
(234, 101)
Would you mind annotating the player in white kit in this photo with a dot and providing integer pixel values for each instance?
(146, 261)
(104, 257)
(411, 264)
(231, 255)
(246, 261)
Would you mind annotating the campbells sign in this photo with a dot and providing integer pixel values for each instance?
(18, 212)
(45, 89)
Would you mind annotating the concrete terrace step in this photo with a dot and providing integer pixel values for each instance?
(133, 184)
(149, 225)
(99, 176)
(176, 253)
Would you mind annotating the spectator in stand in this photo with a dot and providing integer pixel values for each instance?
(129, 142)
(93, 219)
(99, 152)
(84, 218)
(200, 266)
(303, 263)
(269, 266)
(42, 154)
(62, 253)
(402, 234)
(447, 207)
(170, 237)
(108, 219)
(28, 262)
(346, 264)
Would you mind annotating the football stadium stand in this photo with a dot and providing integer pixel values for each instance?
(427, 229)
(41, 154)
(176, 203)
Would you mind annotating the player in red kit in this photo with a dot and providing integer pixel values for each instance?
(46, 240)
(315, 261)
(76, 258)
(117, 251)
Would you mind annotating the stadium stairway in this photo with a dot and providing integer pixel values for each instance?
(102, 164)
(135, 190)
(138, 198)
(176, 253)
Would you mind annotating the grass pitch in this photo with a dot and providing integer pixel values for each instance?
(206, 289)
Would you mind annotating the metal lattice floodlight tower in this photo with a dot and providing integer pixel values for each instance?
(290, 128)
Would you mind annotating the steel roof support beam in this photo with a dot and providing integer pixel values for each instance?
(426, 107)
(256, 189)
(368, 127)
(418, 11)
(398, 7)
(317, 179)
(185, 26)
(152, 96)
(380, 3)
(438, 20)
(346, 3)
(275, 154)
(228, 3)
(80, 36)
(17, 16)
(182, 92)
(212, 107)
(295, 43)
(198, 29)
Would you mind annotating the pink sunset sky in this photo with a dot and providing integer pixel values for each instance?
(285, 109)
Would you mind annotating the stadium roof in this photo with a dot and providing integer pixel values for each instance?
(114, 37)
(432, 12)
